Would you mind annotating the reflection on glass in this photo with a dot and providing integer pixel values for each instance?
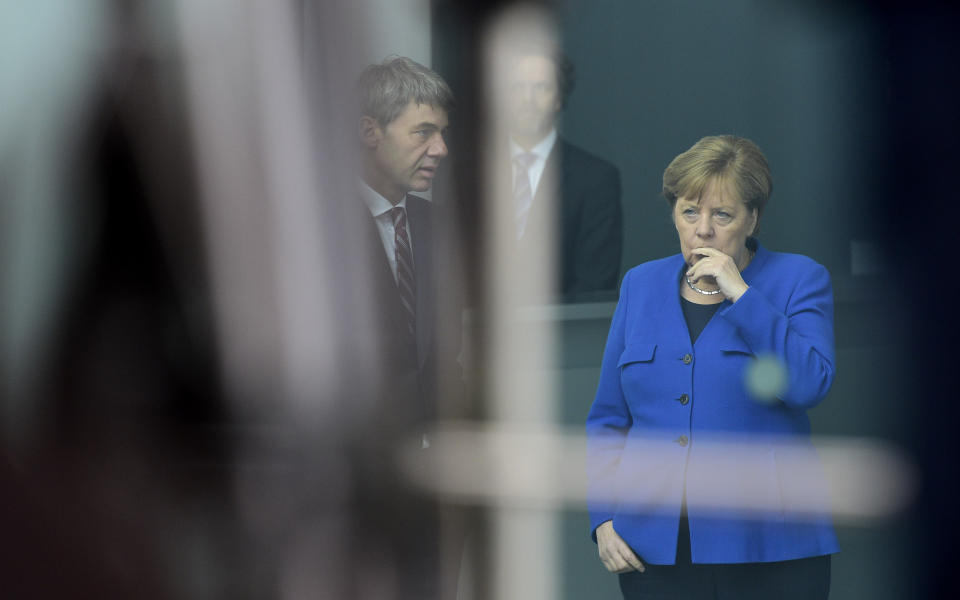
(564, 201)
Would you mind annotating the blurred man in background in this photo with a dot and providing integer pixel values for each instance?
(586, 211)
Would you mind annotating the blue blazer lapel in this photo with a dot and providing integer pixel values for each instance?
(670, 324)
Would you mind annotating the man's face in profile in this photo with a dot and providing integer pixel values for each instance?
(534, 98)
(407, 151)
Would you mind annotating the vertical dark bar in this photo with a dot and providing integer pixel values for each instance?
(922, 153)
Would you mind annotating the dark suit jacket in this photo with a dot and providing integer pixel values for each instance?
(419, 381)
(414, 366)
(588, 221)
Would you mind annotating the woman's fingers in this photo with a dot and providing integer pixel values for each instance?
(705, 254)
(623, 560)
(615, 554)
(632, 560)
(627, 561)
(615, 563)
(711, 263)
(702, 269)
(722, 268)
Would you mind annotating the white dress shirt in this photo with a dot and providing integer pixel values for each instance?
(380, 208)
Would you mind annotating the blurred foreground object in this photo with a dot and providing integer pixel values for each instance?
(188, 361)
(543, 468)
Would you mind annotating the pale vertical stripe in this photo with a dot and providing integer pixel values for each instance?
(260, 204)
(221, 92)
(524, 552)
(522, 191)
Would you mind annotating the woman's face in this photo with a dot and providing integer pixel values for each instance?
(718, 219)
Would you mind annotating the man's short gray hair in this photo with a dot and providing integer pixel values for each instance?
(385, 90)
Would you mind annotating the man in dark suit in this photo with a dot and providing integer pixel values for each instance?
(403, 119)
(557, 184)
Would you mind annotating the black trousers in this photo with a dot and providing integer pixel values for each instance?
(801, 579)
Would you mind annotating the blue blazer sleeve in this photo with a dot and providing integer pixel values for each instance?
(801, 337)
(608, 422)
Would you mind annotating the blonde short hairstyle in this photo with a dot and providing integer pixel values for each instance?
(727, 159)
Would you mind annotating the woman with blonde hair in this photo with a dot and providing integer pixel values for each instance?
(687, 333)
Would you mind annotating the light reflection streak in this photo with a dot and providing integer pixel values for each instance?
(507, 465)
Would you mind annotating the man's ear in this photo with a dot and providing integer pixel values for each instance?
(370, 132)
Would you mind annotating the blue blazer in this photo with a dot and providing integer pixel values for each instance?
(657, 390)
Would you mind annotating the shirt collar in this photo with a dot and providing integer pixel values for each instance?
(377, 204)
(542, 149)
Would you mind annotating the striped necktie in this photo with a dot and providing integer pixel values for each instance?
(522, 192)
(406, 283)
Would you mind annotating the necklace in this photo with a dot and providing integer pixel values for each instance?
(698, 290)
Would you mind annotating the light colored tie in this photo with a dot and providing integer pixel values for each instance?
(522, 192)
(406, 283)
